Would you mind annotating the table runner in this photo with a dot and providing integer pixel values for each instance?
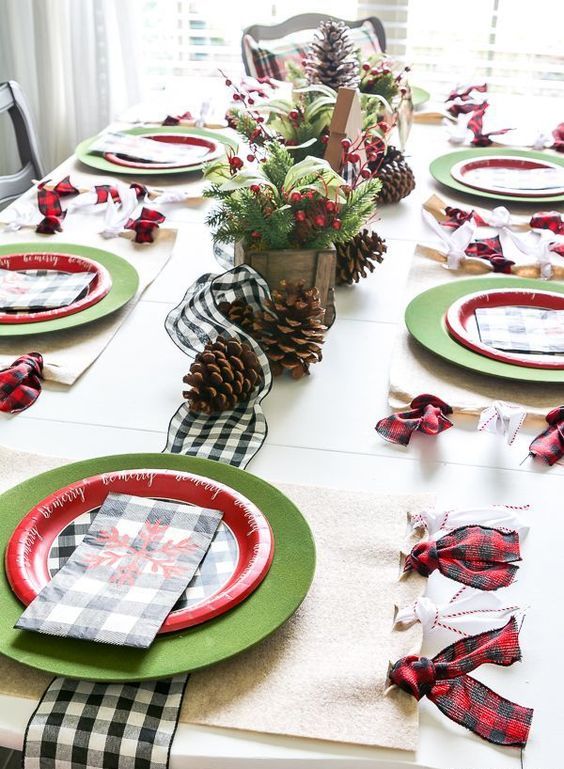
(312, 689)
(415, 370)
(67, 354)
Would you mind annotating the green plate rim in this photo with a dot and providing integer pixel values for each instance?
(424, 318)
(100, 163)
(440, 170)
(422, 97)
(265, 610)
(125, 282)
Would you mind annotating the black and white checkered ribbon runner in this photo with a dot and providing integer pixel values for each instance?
(234, 436)
(89, 725)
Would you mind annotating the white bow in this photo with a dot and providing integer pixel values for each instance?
(438, 522)
(456, 242)
(22, 214)
(502, 418)
(116, 218)
(468, 612)
(458, 132)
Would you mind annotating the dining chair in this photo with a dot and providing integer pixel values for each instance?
(13, 102)
(300, 23)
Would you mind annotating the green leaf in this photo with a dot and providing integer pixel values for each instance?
(244, 179)
(318, 88)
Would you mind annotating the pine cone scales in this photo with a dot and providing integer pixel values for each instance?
(331, 58)
(239, 312)
(223, 375)
(358, 255)
(291, 329)
(397, 178)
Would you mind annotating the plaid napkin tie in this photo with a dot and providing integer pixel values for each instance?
(475, 124)
(444, 680)
(549, 445)
(145, 225)
(41, 289)
(122, 581)
(427, 414)
(49, 203)
(478, 556)
(20, 383)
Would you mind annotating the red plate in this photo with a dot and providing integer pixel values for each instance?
(97, 289)
(469, 173)
(30, 550)
(460, 321)
(214, 151)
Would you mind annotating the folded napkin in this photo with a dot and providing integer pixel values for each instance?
(125, 577)
(41, 289)
(147, 150)
(531, 330)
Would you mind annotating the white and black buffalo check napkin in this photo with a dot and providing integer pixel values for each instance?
(126, 575)
(41, 289)
(522, 329)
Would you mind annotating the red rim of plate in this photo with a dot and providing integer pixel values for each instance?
(461, 313)
(459, 171)
(97, 290)
(170, 138)
(26, 559)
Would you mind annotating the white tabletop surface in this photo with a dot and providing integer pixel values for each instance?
(321, 431)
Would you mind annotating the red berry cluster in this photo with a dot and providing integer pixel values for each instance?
(313, 211)
(370, 74)
(365, 153)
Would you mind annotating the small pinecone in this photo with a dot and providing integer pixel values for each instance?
(358, 255)
(239, 313)
(332, 58)
(396, 176)
(224, 374)
(291, 329)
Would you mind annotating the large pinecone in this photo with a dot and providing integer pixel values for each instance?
(358, 255)
(396, 176)
(239, 312)
(224, 374)
(291, 329)
(332, 58)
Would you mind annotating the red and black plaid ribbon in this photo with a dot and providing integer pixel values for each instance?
(558, 136)
(457, 216)
(475, 124)
(548, 220)
(491, 250)
(176, 119)
(463, 108)
(445, 681)
(140, 190)
(464, 93)
(64, 187)
(20, 383)
(145, 225)
(549, 445)
(49, 203)
(478, 556)
(103, 192)
(427, 414)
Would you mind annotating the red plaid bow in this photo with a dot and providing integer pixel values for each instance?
(457, 216)
(64, 187)
(473, 555)
(491, 250)
(558, 135)
(20, 383)
(145, 225)
(549, 445)
(140, 190)
(427, 414)
(475, 124)
(175, 119)
(103, 192)
(464, 93)
(49, 204)
(445, 681)
(463, 108)
(548, 220)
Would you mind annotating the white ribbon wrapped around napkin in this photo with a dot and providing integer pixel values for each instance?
(454, 243)
(437, 521)
(468, 612)
(22, 214)
(502, 418)
(116, 217)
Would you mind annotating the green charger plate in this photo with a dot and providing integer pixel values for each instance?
(440, 170)
(272, 603)
(425, 314)
(83, 153)
(419, 96)
(125, 282)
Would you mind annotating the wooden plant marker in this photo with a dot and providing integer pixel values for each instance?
(346, 123)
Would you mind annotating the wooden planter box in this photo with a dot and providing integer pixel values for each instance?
(315, 268)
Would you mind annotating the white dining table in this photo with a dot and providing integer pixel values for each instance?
(321, 432)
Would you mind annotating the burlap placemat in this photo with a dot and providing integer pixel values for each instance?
(323, 674)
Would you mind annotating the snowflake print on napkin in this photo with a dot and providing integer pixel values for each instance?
(124, 578)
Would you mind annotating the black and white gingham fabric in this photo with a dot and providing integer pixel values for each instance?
(521, 329)
(41, 289)
(86, 725)
(126, 575)
(233, 436)
(210, 577)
